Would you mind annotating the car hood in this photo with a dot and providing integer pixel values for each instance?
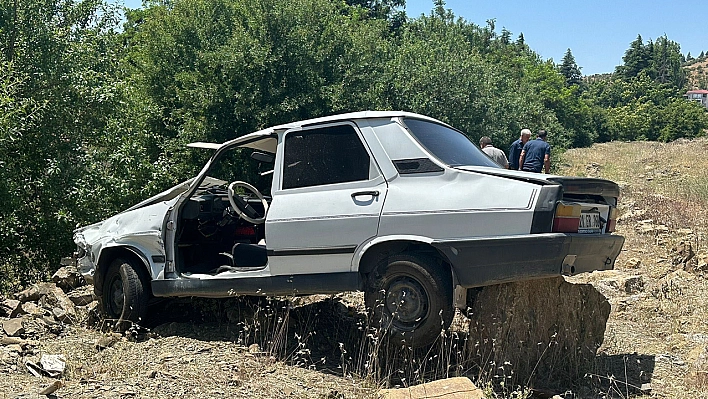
(145, 216)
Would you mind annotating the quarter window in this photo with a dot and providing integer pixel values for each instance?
(324, 156)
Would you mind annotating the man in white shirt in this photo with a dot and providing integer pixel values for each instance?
(497, 155)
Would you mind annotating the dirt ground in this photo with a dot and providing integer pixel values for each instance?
(656, 342)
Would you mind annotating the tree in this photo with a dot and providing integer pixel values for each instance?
(666, 61)
(570, 70)
(636, 59)
(58, 70)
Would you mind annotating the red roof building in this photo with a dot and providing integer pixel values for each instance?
(699, 96)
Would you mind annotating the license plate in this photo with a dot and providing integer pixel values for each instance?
(589, 222)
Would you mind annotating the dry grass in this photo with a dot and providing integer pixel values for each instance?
(664, 203)
(322, 347)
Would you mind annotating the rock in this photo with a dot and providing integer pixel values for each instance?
(107, 340)
(53, 365)
(449, 388)
(68, 278)
(16, 348)
(254, 348)
(13, 327)
(648, 227)
(35, 292)
(30, 396)
(10, 308)
(702, 265)
(12, 341)
(60, 305)
(632, 263)
(633, 284)
(53, 387)
(93, 315)
(698, 374)
(82, 296)
(628, 284)
(31, 309)
(546, 332)
(682, 253)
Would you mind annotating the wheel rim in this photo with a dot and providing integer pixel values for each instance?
(407, 302)
(117, 297)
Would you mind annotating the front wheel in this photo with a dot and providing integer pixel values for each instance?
(125, 292)
(410, 298)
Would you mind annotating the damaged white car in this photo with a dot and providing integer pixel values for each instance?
(399, 205)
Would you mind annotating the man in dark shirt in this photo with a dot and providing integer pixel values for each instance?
(536, 154)
(516, 147)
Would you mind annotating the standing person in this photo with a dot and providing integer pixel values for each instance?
(497, 155)
(536, 154)
(516, 147)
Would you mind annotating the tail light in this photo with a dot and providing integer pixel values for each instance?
(611, 220)
(567, 218)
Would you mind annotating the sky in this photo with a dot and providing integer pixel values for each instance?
(598, 32)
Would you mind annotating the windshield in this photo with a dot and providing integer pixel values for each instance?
(448, 145)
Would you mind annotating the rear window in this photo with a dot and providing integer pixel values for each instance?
(448, 145)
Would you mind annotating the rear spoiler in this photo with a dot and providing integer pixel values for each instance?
(587, 185)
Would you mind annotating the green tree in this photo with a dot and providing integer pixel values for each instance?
(571, 70)
(58, 67)
(636, 59)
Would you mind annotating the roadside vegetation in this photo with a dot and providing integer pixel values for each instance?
(97, 103)
(320, 346)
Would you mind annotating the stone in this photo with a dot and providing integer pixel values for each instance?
(13, 327)
(10, 308)
(82, 296)
(31, 309)
(107, 340)
(633, 263)
(702, 265)
(35, 292)
(16, 348)
(543, 332)
(698, 368)
(12, 341)
(68, 278)
(682, 253)
(633, 284)
(61, 306)
(53, 365)
(449, 388)
(53, 387)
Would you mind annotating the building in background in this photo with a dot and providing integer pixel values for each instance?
(699, 96)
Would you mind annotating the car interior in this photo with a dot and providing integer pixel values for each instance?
(222, 225)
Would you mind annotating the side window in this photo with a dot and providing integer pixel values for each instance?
(324, 156)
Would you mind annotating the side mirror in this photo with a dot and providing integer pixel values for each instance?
(263, 157)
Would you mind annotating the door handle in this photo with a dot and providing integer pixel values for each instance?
(372, 193)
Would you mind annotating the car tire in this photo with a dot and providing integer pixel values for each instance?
(125, 292)
(409, 297)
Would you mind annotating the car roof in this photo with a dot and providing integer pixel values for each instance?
(264, 139)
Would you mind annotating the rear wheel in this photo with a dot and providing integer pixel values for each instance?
(410, 298)
(125, 291)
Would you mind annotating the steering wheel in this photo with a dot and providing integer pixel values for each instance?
(242, 208)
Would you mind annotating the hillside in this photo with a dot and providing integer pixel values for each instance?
(697, 72)
(655, 344)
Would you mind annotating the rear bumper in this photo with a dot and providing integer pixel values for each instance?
(497, 260)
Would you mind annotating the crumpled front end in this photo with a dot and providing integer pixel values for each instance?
(85, 257)
(138, 230)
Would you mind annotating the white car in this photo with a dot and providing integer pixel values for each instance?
(399, 205)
